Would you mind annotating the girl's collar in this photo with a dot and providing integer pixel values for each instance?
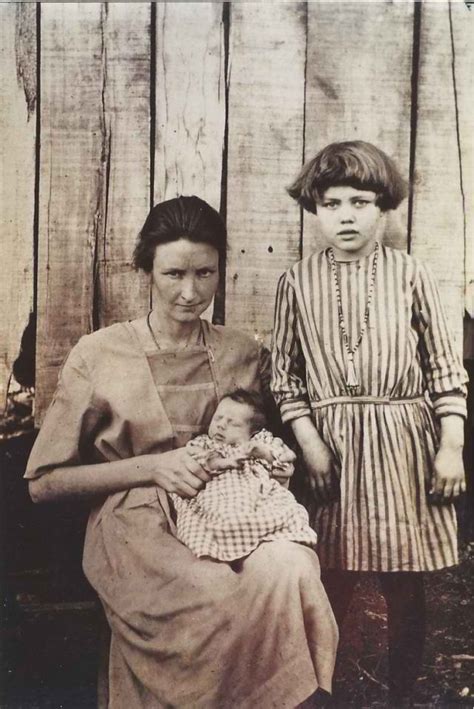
(359, 259)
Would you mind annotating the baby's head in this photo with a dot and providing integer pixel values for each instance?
(353, 164)
(238, 416)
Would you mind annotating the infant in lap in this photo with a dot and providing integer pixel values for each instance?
(243, 504)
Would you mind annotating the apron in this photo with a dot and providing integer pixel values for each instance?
(186, 375)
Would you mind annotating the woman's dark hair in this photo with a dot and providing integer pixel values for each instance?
(254, 401)
(182, 217)
(353, 163)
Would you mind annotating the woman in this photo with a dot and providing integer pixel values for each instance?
(184, 631)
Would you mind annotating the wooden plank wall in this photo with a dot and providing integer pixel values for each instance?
(360, 97)
(18, 106)
(438, 230)
(139, 102)
(125, 119)
(190, 102)
(72, 168)
(266, 127)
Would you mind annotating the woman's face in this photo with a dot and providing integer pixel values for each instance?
(185, 276)
(349, 219)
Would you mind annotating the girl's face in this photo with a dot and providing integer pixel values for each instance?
(185, 278)
(349, 220)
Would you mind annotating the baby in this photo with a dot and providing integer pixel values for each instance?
(243, 505)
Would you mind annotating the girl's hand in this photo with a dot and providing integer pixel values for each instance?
(448, 480)
(177, 471)
(320, 464)
(284, 462)
(278, 454)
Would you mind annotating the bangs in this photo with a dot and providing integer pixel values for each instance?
(352, 170)
(354, 164)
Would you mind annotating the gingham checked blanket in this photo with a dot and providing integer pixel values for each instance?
(239, 508)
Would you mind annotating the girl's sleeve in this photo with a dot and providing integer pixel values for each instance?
(288, 366)
(445, 377)
(71, 422)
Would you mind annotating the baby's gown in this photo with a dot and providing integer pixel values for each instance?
(239, 508)
(384, 440)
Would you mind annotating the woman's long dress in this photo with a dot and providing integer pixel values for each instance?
(384, 439)
(186, 632)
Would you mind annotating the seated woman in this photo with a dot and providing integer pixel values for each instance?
(185, 632)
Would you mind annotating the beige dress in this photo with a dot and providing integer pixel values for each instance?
(186, 632)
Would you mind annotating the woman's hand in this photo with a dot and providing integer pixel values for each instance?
(448, 480)
(177, 471)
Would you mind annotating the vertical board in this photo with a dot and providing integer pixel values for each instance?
(462, 29)
(17, 186)
(266, 110)
(190, 101)
(438, 223)
(73, 165)
(123, 294)
(358, 87)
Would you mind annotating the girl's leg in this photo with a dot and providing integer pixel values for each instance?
(405, 597)
(339, 586)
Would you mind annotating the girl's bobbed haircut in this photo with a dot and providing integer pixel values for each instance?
(353, 163)
(182, 217)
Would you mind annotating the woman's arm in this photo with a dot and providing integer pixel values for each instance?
(174, 471)
(60, 464)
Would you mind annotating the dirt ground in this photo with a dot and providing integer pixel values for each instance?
(50, 623)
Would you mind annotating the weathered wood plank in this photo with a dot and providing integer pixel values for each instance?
(358, 86)
(266, 109)
(72, 180)
(17, 186)
(462, 27)
(438, 222)
(190, 100)
(123, 294)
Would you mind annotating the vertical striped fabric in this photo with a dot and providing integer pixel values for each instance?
(384, 450)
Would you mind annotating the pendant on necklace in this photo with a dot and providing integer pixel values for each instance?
(351, 379)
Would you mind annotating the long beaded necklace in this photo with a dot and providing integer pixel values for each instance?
(352, 382)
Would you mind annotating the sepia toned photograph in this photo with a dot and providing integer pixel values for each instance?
(237, 354)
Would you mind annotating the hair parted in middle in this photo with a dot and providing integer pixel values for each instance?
(353, 163)
(254, 401)
(181, 217)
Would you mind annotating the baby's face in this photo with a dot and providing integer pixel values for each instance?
(231, 422)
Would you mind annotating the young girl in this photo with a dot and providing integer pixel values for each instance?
(365, 372)
(242, 505)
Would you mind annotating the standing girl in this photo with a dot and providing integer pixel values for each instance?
(365, 372)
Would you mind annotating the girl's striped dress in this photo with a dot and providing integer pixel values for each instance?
(385, 438)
